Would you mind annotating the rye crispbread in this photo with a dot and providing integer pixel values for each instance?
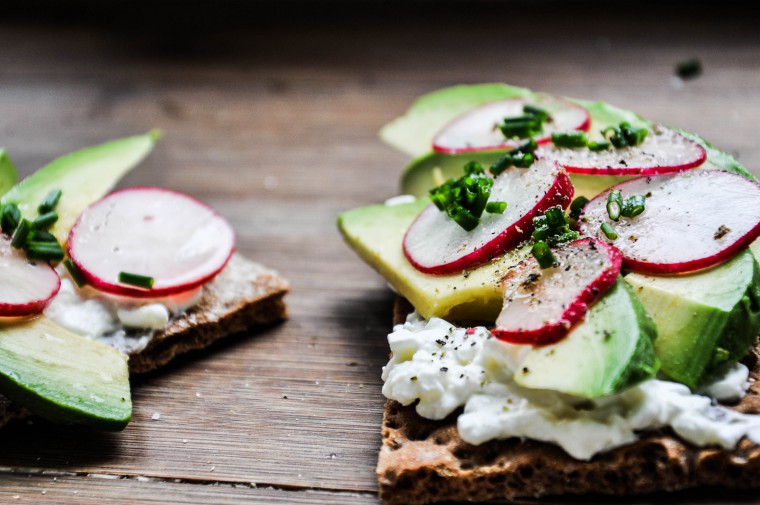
(243, 295)
(423, 461)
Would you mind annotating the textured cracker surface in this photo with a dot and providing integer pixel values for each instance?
(243, 295)
(423, 461)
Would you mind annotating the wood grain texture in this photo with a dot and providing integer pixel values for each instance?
(275, 126)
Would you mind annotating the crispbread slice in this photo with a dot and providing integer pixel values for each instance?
(423, 461)
(243, 295)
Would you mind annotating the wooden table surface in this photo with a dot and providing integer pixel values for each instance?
(274, 124)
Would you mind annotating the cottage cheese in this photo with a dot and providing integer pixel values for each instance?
(443, 368)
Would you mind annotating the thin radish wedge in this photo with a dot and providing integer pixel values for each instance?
(663, 151)
(542, 305)
(435, 244)
(26, 286)
(153, 232)
(692, 220)
(477, 129)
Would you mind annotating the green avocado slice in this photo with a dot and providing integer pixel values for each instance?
(63, 377)
(83, 176)
(706, 319)
(610, 351)
(8, 174)
(376, 233)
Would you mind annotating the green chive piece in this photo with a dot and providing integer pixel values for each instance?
(543, 254)
(141, 281)
(689, 69)
(76, 275)
(21, 237)
(44, 251)
(10, 218)
(624, 135)
(555, 216)
(614, 204)
(496, 207)
(608, 231)
(541, 232)
(46, 220)
(43, 236)
(601, 145)
(538, 112)
(570, 139)
(555, 240)
(520, 157)
(633, 206)
(50, 202)
(577, 207)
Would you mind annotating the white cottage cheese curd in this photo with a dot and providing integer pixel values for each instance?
(445, 367)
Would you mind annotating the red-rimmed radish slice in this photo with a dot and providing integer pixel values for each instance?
(26, 287)
(542, 305)
(692, 220)
(476, 130)
(435, 244)
(153, 232)
(662, 152)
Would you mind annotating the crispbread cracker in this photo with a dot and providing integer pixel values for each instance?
(244, 294)
(423, 461)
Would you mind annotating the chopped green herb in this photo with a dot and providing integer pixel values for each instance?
(577, 206)
(614, 204)
(543, 254)
(531, 123)
(570, 139)
(633, 206)
(608, 231)
(21, 237)
(624, 135)
(141, 281)
(601, 145)
(553, 227)
(520, 157)
(689, 69)
(48, 251)
(46, 220)
(50, 201)
(10, 218)
(496, 207)
(540, 113)
(76, 275)
(42, 236)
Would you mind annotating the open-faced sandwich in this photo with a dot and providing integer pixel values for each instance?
(583, 302)
(95, 286)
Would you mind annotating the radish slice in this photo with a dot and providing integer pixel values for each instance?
(435, 244)
(663, 151)
(154, 232)
(692, 220)
(541, 306)
(476, 130)
(26, 286)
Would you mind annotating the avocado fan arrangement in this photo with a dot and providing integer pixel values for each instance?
(599, 252)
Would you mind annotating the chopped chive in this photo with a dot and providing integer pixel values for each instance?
(141, 281)
(570, 139)
(596, 146)
(42, 236)
(47, 251)
(21, 237)
(614, 204)
(555, 216)
(689, 69)
(538, 112)
(50, 201)
(76, 275)
(541, 232)
(624, 135)
(608, 231)
(11, 216)
(46, 220)
(633, 206)
(543, 254)
(577, 206)
(496, 207)
(555, 240)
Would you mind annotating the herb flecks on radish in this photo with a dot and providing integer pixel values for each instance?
(693, 220)
(542, 305)
(662, 151)
(481, 128)
(26, 287)
(435, 244)
(178, 241)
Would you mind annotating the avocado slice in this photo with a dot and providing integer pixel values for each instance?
(376, 233)
(610, 351)
(83, 176)
(8, 174)
(705, 320)
(63, 377)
